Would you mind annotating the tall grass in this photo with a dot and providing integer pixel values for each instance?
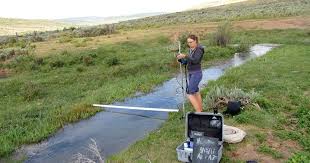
(222, 36)
(94, 154)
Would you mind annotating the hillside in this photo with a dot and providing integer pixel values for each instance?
(9, 26)
(93, 20)
(214, 3)
(252, 9)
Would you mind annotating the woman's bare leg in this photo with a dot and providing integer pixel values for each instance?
(195, 102)
(198, 97)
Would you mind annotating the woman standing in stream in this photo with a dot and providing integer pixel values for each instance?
(193, 59)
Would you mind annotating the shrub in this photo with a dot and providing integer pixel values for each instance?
(64, 39)
(112, 61)
(217, 96)
(94, 31)
(218, 52)
(243, 47)
(183, 39)
(56, 63)
(31, 90)
(39, 61)
(65, 52)
(80, 69)
(94, 55)
(222, 36)
(79, 42)
(9, 53)
(88, 60)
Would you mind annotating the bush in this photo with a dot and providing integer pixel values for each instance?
(39, 61)
(94, 55)
(22, 44)
(222, 36)
(183, 39)
(218, 52)
(94, 31)
(80, 69)
(88, 60)
(31, 91)
(21, 62)
(35, 37)
(112, 61)
(243, 47)
(65, 52)
(57, 64)
(9, 53)
(64, 39)
(219, 95)
(80, 42)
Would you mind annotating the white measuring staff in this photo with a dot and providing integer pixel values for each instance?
(136, 108)
(182, 82)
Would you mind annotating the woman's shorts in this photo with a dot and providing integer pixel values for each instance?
(194, 80)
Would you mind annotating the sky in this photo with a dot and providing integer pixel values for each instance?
(56, 9)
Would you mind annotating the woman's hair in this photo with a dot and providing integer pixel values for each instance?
(193, 37)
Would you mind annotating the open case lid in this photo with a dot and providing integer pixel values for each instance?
(202, 124)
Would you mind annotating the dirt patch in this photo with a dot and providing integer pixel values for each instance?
(249, 150)
(287, 147)
(307, 93)
(296, 22)
(3, 73)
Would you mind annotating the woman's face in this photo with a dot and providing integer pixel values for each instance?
(191, 43)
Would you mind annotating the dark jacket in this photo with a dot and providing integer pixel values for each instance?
(194, 59)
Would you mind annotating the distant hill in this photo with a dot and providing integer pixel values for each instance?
(94, 20)
(214, 3)
(9, 26)
(250, 9)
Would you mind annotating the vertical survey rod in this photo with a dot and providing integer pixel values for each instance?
(182, 83)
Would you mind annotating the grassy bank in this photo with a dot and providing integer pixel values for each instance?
(45, 93)
(277, 132)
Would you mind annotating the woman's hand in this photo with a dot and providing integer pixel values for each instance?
(180, 56)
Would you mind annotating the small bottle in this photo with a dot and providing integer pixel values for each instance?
(191, 143)
(185, 145)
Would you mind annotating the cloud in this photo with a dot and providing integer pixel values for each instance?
(52, 9)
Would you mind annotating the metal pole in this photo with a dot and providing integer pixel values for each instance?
(136, 108)
(182, 83)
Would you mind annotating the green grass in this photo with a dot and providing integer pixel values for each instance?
(252, 9)
(45, 93)
(269, 151)
(281, 77)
